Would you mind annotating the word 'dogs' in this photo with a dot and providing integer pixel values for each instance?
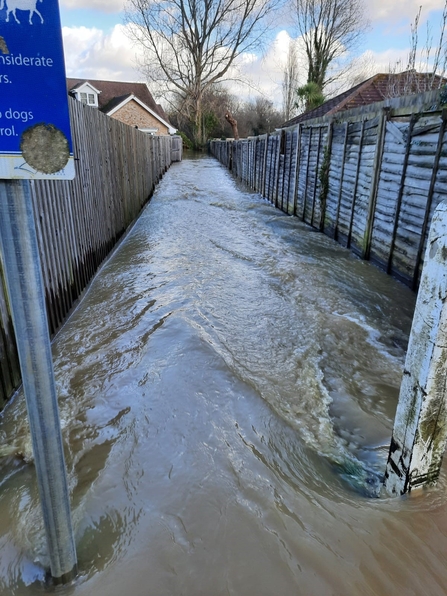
(35, 139)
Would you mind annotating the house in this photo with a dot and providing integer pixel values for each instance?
(377, 88)
(131, 103)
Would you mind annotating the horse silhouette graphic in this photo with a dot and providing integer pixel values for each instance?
(13, 5)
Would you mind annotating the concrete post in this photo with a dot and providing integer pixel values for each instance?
(420, 428)
(25, 288)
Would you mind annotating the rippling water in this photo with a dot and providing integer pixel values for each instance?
(227, 392)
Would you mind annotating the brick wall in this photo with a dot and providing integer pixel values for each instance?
(134, 115)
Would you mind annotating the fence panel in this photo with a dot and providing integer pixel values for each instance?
(415, 199)
(359, 214)
(335, 178)
(384, 172)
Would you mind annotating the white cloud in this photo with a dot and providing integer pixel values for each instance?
(398, 58)
(109, 6)
(93, 53)
(263, 75)
(379, 10)
(382, 61)
(396, 10)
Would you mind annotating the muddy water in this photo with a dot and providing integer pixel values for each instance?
(227, 389)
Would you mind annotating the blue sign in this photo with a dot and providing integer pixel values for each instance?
(35, 139)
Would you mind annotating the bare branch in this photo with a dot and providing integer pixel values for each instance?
(330, 30)
(192, 44)
(431, 71)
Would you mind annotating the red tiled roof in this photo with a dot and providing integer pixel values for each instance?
(370, 91)
(327, 107)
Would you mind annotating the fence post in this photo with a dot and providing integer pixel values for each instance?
(356, 184)
(400, 194)
(297, 170)
(327, 152)
(306, 181)
(420, 428)
(430, 197)
(277, 170)
(342, 174)
(23, 275)
(381, 133)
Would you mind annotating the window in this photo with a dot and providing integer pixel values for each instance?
(87, 95)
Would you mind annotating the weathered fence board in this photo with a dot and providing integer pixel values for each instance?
(387, 173)
(79, 221)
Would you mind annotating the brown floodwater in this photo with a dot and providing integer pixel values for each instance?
(227, 391)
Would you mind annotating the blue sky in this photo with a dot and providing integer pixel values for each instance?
(96, 45)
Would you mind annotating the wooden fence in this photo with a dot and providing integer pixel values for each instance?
(79, 221)
(369, 178)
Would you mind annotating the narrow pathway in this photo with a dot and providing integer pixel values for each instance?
(227, 389)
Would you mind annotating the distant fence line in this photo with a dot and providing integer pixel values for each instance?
(78, 222)
(370, 178)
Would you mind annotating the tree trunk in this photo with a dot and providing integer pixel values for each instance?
(233, 123)
(199, 132)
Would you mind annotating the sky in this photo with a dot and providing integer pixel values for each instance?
(96, 45)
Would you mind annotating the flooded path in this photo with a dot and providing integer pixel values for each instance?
(227, 392)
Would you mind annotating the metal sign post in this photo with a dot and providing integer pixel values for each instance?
(25, 288)
(35, 143)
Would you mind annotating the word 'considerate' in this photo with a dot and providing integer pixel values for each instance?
(19, 60)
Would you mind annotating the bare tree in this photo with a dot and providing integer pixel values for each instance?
(257, 117)
(216, 98)
(191, 44)
(290, 82)
(425, 68)
(329, 29)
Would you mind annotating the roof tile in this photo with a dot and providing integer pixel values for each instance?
(372, 90)
(112, 91)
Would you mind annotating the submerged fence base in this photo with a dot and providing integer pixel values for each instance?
(420, 429)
